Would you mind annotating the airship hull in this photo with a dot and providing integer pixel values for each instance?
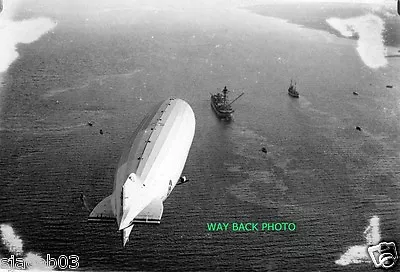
(150, 166)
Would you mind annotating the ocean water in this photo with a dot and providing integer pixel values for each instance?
(339, 185)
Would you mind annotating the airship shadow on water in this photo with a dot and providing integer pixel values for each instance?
(149, 168)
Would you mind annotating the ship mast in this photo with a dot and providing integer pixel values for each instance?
(225, 92)
(236, 98)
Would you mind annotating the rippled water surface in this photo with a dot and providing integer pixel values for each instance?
(318, 172)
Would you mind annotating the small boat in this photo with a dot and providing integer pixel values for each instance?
(389, 86)
(355, 93)
(264, 150)
(292, 90)
(221, 105)
(358, 128)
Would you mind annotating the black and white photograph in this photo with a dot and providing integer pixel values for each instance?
(200, 135)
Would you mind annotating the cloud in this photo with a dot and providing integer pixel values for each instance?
(12, 241)
(359, 254)
(15, 32)
(19, 259)
(370, 45)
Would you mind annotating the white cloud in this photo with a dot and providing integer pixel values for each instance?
(370, 45)
(14, 32)
(358, 254)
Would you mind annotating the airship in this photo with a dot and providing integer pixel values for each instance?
(149, 168)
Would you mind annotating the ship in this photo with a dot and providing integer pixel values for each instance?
(221, 105)
(292, 90)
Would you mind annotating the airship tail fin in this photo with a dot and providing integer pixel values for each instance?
(151, 214)
(102, 212)
(136, 198)
(125, 234)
